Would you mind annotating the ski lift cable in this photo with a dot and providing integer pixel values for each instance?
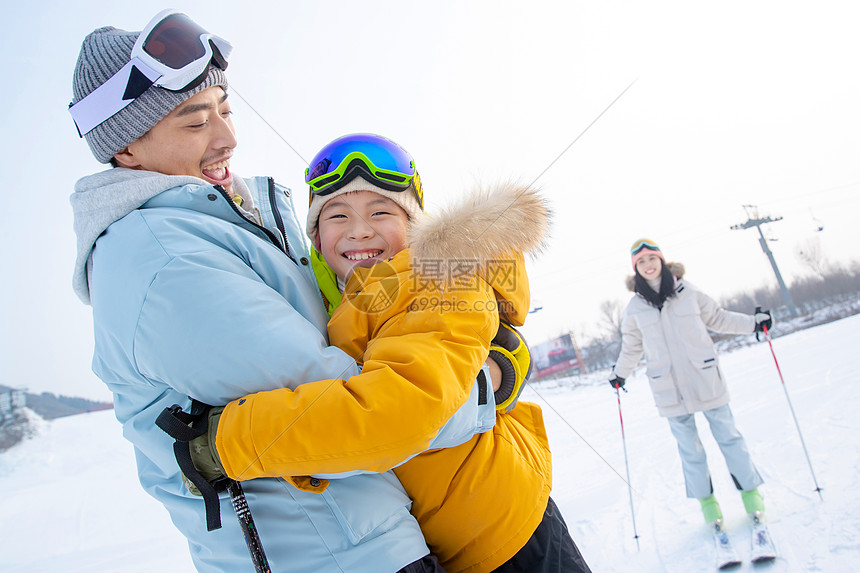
(802, 212)
(548, 167)
(822, 206)
(233, 90)
(604, 260)
(299, 155)
(801, 195)
(819, 226)
(595, 120)
(569, 425)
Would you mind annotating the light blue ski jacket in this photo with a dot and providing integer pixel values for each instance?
(192, 298)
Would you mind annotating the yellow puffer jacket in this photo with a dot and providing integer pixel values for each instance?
(477, 503)
(421, 349)
(421, 361)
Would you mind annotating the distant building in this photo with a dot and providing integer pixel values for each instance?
(10, 402)
(557, 357)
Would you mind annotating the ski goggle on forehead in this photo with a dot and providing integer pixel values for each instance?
(172, 52)
(643, 244)
(376, 158)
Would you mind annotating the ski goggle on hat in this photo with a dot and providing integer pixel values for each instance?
(641, 244)
(172, 52)
(378, 159)
(644, 247)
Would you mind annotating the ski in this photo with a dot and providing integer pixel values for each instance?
(763, 549)
(725, 552)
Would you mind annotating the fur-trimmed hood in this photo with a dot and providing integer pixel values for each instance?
(486, 234)
(677, 269)
(484, 225)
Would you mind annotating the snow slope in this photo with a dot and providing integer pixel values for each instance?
(820, 367)
(72, 502)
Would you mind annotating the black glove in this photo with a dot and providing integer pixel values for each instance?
(617, 382)
(763, 319)
(511, 353)
(202, 472)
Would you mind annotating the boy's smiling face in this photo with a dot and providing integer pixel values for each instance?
(360, 229)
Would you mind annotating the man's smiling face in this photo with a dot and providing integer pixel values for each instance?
(197, 138)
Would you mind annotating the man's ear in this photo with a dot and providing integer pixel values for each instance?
(317, 241)
(127, 159)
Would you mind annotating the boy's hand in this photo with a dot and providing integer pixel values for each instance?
(495, 373)
(510, 351)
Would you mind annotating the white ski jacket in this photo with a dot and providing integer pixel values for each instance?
(681, 361)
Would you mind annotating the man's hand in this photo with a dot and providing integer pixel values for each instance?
(510, 351)
(617, 382)
(201, 470)
(204, 455)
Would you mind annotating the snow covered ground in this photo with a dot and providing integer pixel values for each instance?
(71, 501)
(820, 366)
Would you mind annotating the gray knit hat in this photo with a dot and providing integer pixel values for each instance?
(103, 53)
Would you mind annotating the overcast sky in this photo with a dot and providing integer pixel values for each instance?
(732, 103)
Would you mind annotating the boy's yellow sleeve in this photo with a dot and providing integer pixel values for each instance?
(420, 362)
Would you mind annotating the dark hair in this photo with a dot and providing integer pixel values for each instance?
(667, 286)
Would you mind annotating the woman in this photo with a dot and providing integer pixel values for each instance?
(668, 320)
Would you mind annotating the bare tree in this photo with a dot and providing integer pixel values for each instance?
(611, 313)
(812, 256)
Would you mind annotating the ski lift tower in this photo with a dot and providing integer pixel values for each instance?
(755, 221)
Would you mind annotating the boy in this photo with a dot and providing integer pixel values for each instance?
(420, 336)
(362, 230)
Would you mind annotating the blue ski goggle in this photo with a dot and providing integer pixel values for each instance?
(172, 52)
(378, 159)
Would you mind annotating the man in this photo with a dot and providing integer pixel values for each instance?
(201, 289)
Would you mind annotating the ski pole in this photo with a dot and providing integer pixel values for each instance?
(790, 407)
(249, 530)
(627, 467)
(178, 425)
(549, 405)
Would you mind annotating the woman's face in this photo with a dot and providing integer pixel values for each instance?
(649, 266)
